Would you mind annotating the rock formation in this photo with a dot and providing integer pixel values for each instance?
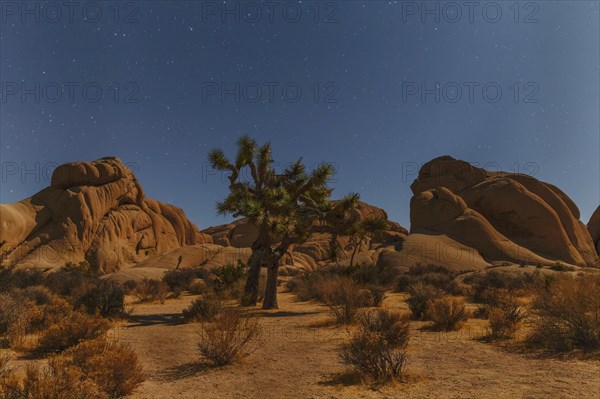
(504, 216)
(95, 212)
(594, 228)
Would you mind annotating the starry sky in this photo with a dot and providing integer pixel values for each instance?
(375, 87)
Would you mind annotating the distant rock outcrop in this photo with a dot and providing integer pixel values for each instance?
(504, 216)
(594, 228)
(95, 212)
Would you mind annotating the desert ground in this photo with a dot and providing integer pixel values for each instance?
(297, 358)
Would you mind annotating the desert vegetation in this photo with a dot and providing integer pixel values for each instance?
(229, 336)
(377, 349)
(62, 319)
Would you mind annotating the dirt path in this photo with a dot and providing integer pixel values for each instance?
(297, 359)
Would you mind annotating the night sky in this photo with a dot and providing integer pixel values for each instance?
(160, 83)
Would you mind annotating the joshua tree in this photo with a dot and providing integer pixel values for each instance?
(340, 220)
(283, 208)
(367, 228)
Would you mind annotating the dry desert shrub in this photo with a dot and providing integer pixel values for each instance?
(391, 327)
(566, 314)
(433, 275)
(71, 330)
(104, 297)
(377, 293)
(377, 350)
(202, 309)
(447, 313)
(149, 290)
(420, 296)
(228, 338)
(515, 282)
(344, 298)
(113, 367)
(505, 314)
(56, 380)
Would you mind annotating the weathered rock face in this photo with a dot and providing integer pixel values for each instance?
(92, 211)
(504, 216)
(594, 228)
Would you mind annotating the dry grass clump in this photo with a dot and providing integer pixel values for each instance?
(228, 338)
(420, 296)
(202, 309)
(447, 313)
(483, 285)
(56, 380)
(566, 314)
(96, 369)
(70, 331)
(433, 275)
(378, 348)
(113, 367)
(390, 326)
(344, 298)
(505, 314)
(149, 290)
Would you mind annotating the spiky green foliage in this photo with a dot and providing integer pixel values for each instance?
(362, 231)
(283, 206)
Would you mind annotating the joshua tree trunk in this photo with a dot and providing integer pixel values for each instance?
(250, 296)
(356, 248)
(270, 301)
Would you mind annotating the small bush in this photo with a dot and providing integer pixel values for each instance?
(371, 275)
(391, 327)
(70, 331)
(228, 338)
(447, 313)
(377, 294)
(113, 367)
(374, 358)
(343, 297)
(567, 314)
(420, 297)
(149, 290)
(202, 309)
(182, 279)
(56, 380)
(105, 297)
(493, 279)
(432, 275)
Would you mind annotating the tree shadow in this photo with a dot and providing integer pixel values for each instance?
(168, 319)
(345, 378)
(288, 314)
(186, 370)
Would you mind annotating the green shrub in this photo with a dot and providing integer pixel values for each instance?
(228, 275)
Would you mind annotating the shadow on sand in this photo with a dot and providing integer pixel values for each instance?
(168, 319)
(186, 370)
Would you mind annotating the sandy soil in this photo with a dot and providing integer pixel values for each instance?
(297, 359)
